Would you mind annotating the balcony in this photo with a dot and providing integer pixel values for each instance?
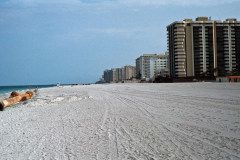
(177, 43)
(179, 25)
(179, 53)
(178, 46)
(179, 33)
(180, 56)
(180, 60)
(179, 36)
(179, 67)
(179, 40)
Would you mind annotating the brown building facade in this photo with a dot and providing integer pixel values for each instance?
(203, 47)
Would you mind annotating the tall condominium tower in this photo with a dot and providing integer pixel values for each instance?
(203, 47)
(130, 72)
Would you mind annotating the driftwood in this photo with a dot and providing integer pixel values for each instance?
(6, 103)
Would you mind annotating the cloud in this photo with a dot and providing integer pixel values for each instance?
(129, 33)
(175, 2)
(23, 4)
(115, 3)
(126, 32)
(108, 30)
(203, 2)
(35, 2)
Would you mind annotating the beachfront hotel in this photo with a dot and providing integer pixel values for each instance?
(203, 47)
(150, 65)
(115, 75)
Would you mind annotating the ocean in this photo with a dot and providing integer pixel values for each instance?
(9, 89)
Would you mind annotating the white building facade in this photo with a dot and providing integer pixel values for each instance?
(150, 65)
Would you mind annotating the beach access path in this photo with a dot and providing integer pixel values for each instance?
(125, 121)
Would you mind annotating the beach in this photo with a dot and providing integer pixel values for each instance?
(125, 121)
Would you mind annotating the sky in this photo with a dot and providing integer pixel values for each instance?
(74, 41)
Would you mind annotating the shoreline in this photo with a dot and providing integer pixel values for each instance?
(21, 88)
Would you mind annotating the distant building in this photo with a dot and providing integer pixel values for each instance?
(106, 76)
(123, 73)
(150, 65)
(164, 72)
(138, 72)
(130, 72)
(116, 75)
(203, 47)
(113, 75)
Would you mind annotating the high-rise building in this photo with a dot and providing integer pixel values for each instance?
(123, 72)
(130, 72)
(203, 47)
(106, 76)
(113, 75)
(119, 74)
(150, 65)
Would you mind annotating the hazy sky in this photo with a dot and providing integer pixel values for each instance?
(74, 41)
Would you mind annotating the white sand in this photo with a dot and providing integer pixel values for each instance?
(125, 121)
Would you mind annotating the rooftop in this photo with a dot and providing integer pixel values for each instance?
(206, 20)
